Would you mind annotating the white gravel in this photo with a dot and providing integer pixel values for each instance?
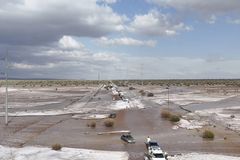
(190, 124)
(40, 153)
(198, 156)
(223, 116)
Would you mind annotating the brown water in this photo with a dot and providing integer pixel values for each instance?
(142, 123)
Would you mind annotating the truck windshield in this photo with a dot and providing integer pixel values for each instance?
(153, 144)
(158, 155)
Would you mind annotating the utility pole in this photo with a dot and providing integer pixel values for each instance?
(98, 76)
(168, 96)
(6, 74)
(141, 68)
(127, 72)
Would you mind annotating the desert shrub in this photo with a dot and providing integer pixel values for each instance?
(109, 122)
(208, 134)
(92, 124)
(174, 118)
(165, 114)
(131, 88)
(150, 94)
(141, 91)
(56, 147)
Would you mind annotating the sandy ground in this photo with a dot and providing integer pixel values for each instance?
(44, 116)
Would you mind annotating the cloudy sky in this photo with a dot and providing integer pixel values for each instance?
(121, 39)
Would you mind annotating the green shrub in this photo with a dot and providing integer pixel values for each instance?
(165, 114)
(174, 118)
(109, 122)
(56, 147)
(208, 134)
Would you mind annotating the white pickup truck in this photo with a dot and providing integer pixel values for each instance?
(154, 152)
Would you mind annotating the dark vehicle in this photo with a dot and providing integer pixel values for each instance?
(128, 138)
(112, 115)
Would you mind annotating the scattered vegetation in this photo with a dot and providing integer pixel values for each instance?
(131, 88)
(61, 83)
(56, 147)
(150, 94)
(109, 122)
(207, 134)
(174, 118)
(165, 114)
(91, 124)
(142, 92)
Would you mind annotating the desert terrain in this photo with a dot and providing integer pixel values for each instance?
(43, 113)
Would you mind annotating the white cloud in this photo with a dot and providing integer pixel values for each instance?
(69, 64)
(66, 59)
(126, 41)
(68, 42)
(155, 23)
(74, 54)
(212, 6)
(78, 63)
(77, 55)
(180, 67)
(212, 19)
(104, 57)
(234, 21)
(207, 10)
(26, 66)
(108, 1)
(43, 21)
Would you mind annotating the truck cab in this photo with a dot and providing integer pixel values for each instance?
(154, 152)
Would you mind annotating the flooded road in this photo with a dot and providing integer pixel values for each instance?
(142, 123)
